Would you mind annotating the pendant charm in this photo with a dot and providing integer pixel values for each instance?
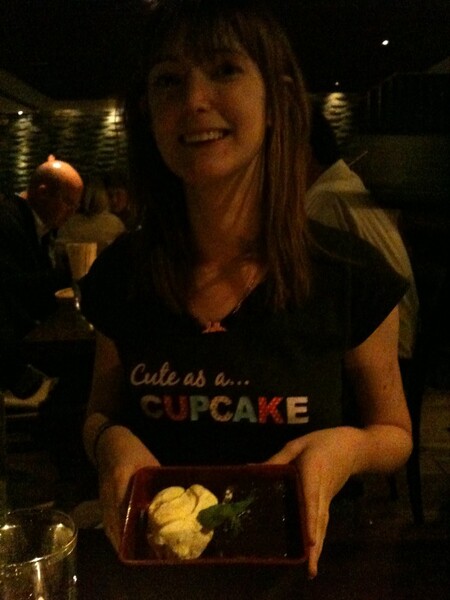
(213, 327)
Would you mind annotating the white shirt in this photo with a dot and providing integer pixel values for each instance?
(338, 198)
(102, 228)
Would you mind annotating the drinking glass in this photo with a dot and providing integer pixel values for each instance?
(81, 256)
(37, 555)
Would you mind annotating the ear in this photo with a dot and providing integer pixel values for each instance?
(286, 83)
(42, 190)
(287, 79)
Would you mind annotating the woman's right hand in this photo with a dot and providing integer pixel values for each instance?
(119, 455)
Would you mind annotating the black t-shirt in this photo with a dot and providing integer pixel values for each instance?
(238, 396)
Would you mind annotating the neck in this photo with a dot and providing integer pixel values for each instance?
(219, 291)
(225, 219)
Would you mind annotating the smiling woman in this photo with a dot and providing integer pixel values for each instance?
(208, 116)
(226, 321)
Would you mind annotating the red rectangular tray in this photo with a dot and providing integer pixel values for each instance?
(270, 532)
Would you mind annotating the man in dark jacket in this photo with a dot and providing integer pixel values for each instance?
(29, 274)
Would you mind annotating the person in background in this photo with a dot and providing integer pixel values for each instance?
(116, 185)
(224, 321)
(337, 197)
(94, 222)
(29, 275)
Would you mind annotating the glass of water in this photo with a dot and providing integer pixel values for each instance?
(37, 555)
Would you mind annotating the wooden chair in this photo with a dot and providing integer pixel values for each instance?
(429, 277)
(414, 382)
(21, 419)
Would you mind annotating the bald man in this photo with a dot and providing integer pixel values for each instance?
(28, 275)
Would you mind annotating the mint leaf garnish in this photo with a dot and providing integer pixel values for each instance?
(216, 515)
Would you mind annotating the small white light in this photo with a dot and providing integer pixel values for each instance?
(385, 43)
(336, 84)
(20, 112)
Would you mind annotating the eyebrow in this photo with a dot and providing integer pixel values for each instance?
(163, 59)
(177, 57)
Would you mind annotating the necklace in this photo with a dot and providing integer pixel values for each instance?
(216, 326)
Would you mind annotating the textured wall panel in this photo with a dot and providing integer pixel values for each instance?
(93, 142)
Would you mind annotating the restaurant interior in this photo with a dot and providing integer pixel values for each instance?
(381, 71)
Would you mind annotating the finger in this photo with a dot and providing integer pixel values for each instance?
(112, 518)
(312, 563)
(315, 553)
(109, 530)
(323, 516)
(307, 542)
(115, 530)
(310, 479)
(289, 453)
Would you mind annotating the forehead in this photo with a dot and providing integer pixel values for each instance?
(196, 42)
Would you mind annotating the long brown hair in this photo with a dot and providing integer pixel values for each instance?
(283, 245)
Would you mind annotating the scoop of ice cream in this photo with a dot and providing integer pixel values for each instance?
(174, 531)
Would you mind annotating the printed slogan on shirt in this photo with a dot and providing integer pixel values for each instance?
(226, 408)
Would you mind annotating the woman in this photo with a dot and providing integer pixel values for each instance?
(93, 222)
(225, 320)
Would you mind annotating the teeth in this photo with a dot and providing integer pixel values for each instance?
(205, 136)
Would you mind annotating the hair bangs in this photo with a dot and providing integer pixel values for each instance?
(202, 28)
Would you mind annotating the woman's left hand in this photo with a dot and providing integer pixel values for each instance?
(325, 460)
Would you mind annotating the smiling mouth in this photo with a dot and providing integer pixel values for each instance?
(204, 136)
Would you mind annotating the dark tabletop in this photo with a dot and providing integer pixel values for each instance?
(349, 570)
(63, 346)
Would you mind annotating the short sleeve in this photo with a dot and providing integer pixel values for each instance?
(365, 287)
(376, 289)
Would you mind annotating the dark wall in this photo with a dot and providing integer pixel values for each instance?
(93, 141)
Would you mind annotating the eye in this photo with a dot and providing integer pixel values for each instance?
(227, 69)
(165, 80)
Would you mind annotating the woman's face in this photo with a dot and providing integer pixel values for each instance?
(208, 117)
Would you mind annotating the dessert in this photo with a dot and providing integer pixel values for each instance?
(256, 518)
(173, 528)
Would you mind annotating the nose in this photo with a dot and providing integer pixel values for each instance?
(199, 91)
